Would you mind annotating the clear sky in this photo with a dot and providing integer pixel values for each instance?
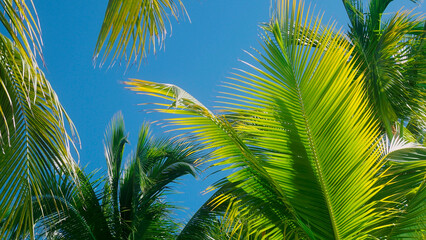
(198, 56)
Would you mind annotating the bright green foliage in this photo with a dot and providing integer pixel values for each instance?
(137, 23)
(34, 143)
(303, 143)
(131, 204)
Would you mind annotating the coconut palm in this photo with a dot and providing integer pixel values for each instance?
(34, 142)
(308, 156)
(131, 204)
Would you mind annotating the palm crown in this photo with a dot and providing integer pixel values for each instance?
(130, 205)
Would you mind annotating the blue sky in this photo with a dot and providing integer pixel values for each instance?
(198, 56)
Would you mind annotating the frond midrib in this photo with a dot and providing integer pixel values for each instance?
(317, 164)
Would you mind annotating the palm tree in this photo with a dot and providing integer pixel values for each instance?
(308, 155)
(131, 204)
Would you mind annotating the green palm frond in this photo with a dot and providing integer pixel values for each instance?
(204, 222)
(115, 141)
(298, 133)
(229, 219)
(132, 28)
(404, 188)
(21, 23)
(215, 132)
(386, 49)
(155, 164)
(66, 209)
(34, 142)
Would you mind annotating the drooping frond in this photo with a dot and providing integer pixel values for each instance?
(132, 28)
(34, 142)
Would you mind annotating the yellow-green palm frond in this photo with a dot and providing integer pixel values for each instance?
(21, 23)
(35, 144)
(215, 132)
(132, 28)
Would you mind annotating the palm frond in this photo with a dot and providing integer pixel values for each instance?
(404, 188)
(132, 28)
(385, 51)
(66, 209)
(34, 140)
(21, 22)
(155, 164)
(115, 141)
(310, 133)
(215, 132)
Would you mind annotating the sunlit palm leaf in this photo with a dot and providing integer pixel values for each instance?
(217, 133)
(23, 27)
(310, 133)
(132, 28)
(35, 144)
(215, 221)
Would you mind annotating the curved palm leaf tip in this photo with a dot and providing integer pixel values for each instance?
(300, 136)
(407, 164)
(132, 28)
(388, 48)
(34, 142)
(22, 24)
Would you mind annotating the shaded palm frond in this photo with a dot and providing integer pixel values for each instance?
(386, 49)
(404, 181)
(66, 209)
(155, 165)
(115, 141)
